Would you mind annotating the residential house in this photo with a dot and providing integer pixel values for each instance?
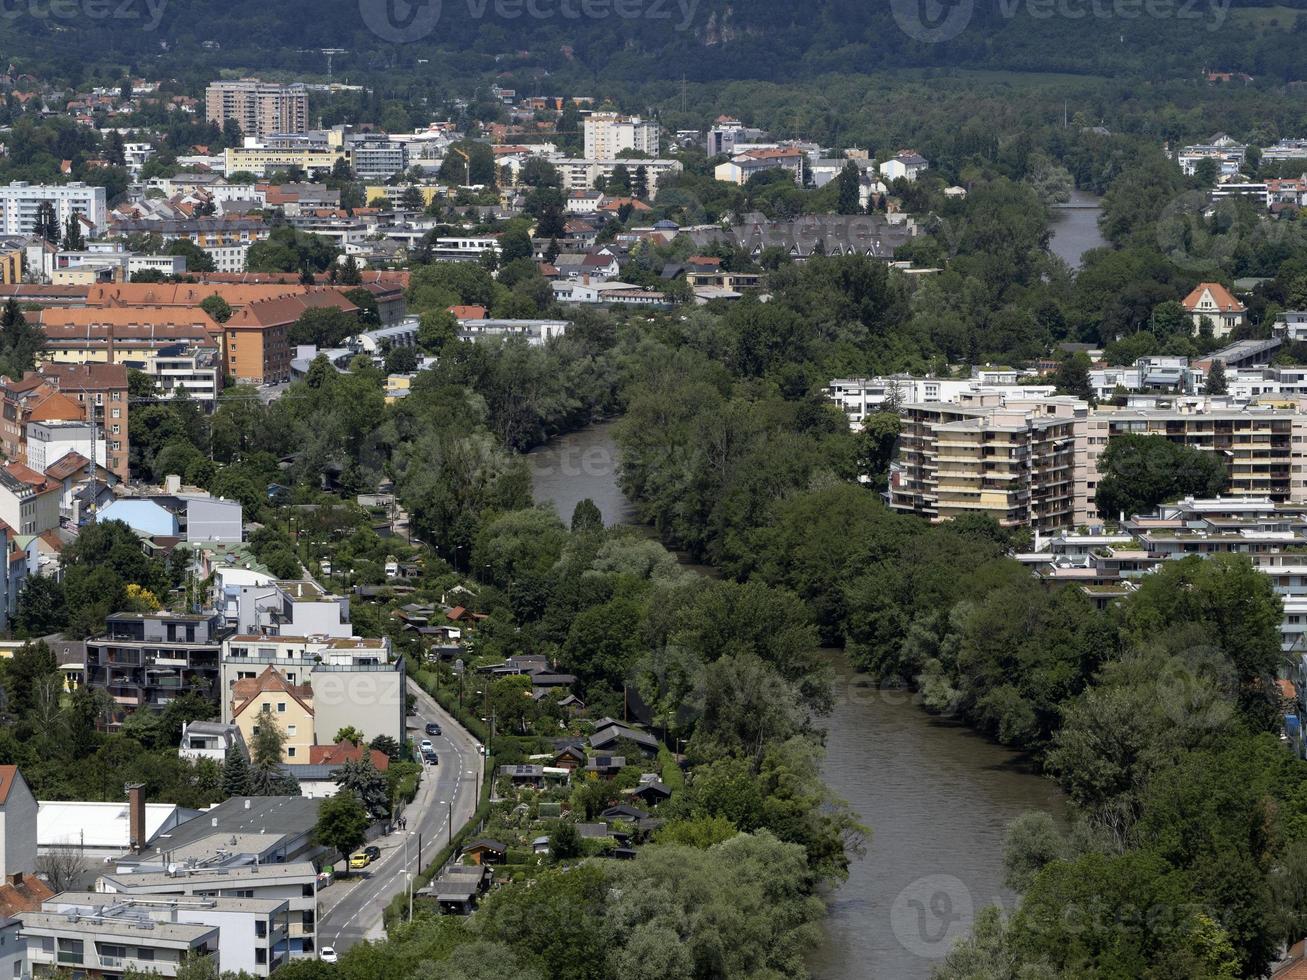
(1213, 302)
(904, 165)
(270, 696)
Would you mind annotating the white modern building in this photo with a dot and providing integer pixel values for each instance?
(21, 201)
(295, 883)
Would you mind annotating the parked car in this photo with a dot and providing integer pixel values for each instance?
(359, 860)
(327, 954)
(426, 746)
(373, 852)
(433, 728)
(431, 758)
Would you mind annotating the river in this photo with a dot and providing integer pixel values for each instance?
(1075, 228)
(936, 796)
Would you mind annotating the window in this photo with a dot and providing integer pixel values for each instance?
(144, 953)
(267, 707)
(290, 752)
(116, 430)
(261, 930)
(307, 892)
(261, 955)
(112, 951)
(290, 729)
(70, 951)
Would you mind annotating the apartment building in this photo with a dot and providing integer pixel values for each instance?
(1013, 460)
(258, 345)
(112, 941)
(1264, 449)
(20, 203)
(252, 932)
(144, 660)
(304, 152)
(581, 174)
(121, 334)
(259, 108)
(195, 369)
(342, 681)
(29, 502)
(101, 391)
(608, 133)
(860, 397)
(296, 884)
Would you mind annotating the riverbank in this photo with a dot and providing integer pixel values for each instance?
(936, 796)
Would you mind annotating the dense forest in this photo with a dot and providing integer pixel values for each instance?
(702, 41)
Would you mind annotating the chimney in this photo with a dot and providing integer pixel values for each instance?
(136, 816)
(16, 879)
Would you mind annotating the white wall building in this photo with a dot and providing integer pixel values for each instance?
(20, 201)
(608, 133)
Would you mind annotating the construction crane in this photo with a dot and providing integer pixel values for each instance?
(467, 165)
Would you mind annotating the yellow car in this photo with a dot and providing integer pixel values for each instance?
(359, 860)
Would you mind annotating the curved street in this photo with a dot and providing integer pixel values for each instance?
(352, 908)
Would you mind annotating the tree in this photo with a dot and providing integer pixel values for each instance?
(235, 771)
(63, 866)
(1072, 377)
(41, 607)
(115, 151)
(586, 517)
(266, 775)
(515, 244)
(217, 308)
(361, 779)
(348, 734)
(876, 442)
(349, 274)
(401, 360)
(640, 182)
(565, 841)
(1139, 472)
(73, 240)
(386, 744)
(197, 259)
(47, 222)
(850, 183)
(1216, 383)
(342, 823)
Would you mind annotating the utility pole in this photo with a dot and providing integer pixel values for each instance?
(451, 821)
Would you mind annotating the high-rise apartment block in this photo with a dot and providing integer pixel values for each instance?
(259, 108)
(607, 134)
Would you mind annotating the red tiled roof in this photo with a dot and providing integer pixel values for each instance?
(1222, 297)
(66, 465)
(8, 774)
(468, 312)
(270, 681)
(25, 895)
(342, 752)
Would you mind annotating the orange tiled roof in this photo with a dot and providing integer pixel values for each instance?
(342, 752)
(1221, 296)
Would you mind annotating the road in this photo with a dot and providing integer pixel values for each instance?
(352, 909)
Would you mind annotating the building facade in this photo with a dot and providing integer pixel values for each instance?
(259, 108)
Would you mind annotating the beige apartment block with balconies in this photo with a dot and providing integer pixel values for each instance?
(1264, 449)
(1012, 459)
